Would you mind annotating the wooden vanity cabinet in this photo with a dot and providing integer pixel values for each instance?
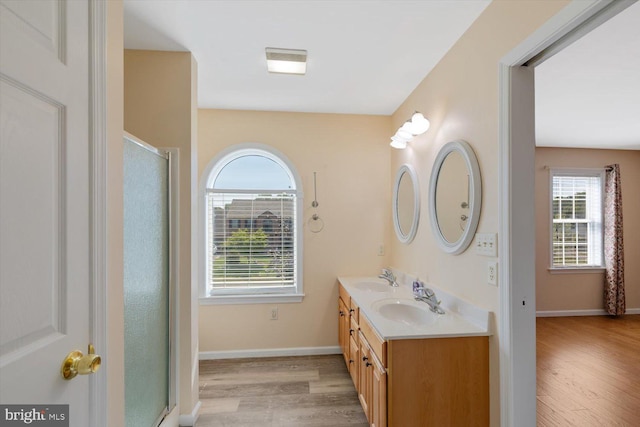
(419, 382)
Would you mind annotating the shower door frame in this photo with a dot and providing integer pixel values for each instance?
(173, 160)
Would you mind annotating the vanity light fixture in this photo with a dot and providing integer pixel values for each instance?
(286, 61)
(417, 125)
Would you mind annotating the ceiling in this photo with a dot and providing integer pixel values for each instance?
(367, 56)
(364, 56)
(588, 95)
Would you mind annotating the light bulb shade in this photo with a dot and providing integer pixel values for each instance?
(419, 123)
(398, 143)
(404, 134)
(416, 126)
(408, 127)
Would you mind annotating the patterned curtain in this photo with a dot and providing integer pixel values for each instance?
(613, 245)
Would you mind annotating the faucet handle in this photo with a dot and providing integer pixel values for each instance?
(423, 291)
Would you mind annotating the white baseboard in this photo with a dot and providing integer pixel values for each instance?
(567, 313)
(189, 420)
(269, 352)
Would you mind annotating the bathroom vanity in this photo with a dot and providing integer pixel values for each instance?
(412, 367)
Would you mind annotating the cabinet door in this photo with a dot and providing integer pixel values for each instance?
(354, 360)
(366, 377)
(343, 330)
(379, 397)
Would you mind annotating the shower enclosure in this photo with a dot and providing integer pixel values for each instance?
(148, 285)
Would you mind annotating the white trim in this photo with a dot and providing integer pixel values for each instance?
(190, 419)
(269, 352)
(517, 322)
(571, 313)
(211, 170)
(576, 270)
(161, 152)
(99, 320)
(215, 165)
(406, 237)
(474, 196)
(251, 299)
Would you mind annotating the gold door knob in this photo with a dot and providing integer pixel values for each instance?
(76, 363)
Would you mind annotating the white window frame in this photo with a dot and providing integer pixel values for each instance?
(576, 172)
(249, 296)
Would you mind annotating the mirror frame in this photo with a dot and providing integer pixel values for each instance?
(411, 173)
(475, 196)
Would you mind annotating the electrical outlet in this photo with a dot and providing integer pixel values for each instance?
(274, 313)
(492, 273)
(381, 250)
(486, 244)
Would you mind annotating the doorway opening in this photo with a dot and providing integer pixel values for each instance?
(517, 209)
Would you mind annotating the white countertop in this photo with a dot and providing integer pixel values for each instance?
(461, 319)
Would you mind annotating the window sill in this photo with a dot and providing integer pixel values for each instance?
(251, 299)
(576, 270)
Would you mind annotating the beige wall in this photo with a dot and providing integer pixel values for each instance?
(460, 98)
(114, 357)
(556, 292)
(160, 108)
(350, 154)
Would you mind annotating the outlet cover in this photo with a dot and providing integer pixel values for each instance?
(492, 273)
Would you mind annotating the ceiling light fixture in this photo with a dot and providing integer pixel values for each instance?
(417, 125)
(286, 61)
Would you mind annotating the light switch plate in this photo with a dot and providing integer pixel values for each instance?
(486, 244)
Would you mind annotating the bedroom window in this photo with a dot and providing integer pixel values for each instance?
(576, 218)
(253, 240)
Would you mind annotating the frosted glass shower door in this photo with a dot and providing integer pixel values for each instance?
(146, 284)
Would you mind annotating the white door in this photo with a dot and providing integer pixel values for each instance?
(44, 201)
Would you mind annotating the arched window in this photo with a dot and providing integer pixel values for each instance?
(253, 243)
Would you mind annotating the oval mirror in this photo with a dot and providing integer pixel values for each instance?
(406, 203)
(455, 196)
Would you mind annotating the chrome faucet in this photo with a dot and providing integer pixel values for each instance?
(388, 275)
(427, 295)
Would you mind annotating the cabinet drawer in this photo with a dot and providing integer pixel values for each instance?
(355, 311)
(353, 330)
(344, 295)
(377, 344)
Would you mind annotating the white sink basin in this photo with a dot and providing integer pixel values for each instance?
(405, 311)
(372, 287)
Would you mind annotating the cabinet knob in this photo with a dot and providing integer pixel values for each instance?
(341, 313)
(351, 361)
(351, 310)
(365, 358)
(351, 331)
(367, 364)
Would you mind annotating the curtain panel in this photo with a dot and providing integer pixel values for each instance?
(614, 299)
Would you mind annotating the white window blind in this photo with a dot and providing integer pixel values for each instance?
(576, 219)
(252, 240)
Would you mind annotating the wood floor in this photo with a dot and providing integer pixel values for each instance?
(588, 371)
(279, 391)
